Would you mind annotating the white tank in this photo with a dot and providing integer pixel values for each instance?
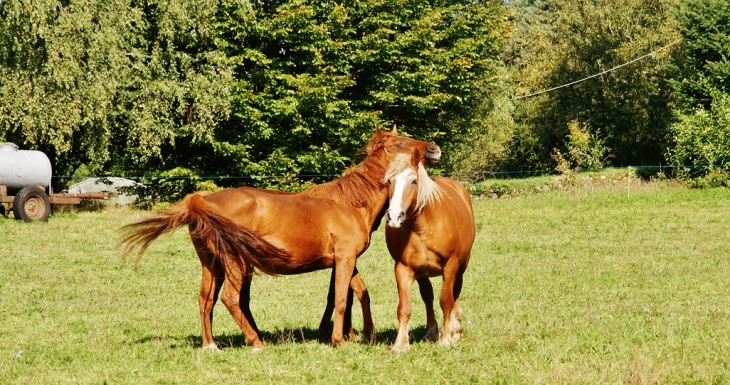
(21, 168)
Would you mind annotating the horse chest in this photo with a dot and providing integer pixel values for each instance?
(415, 250)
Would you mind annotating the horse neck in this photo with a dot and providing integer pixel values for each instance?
(362, 188)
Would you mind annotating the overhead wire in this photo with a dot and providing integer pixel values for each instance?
(598, 74)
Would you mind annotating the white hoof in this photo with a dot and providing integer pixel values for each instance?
(400, 348)
(211, 347)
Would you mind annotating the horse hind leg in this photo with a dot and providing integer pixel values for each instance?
(358, 287)
(210, 285)
(231, 297)
(457, 327)
(451, 329)
(432, 327)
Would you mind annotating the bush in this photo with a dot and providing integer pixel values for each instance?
(586, 150)
(702, 138)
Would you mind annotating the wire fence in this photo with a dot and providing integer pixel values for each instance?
(475, 175)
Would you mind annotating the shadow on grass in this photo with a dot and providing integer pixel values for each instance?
(284, 336)
(293, 336)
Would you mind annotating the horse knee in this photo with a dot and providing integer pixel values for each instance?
(405, 310)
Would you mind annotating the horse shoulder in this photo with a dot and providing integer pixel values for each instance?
(448, 226)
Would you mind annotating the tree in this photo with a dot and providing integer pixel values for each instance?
(704, 66)
(59, 66)
(316, 78)
(109, 84)
(626, 109)
(702, 84)
(228, 87)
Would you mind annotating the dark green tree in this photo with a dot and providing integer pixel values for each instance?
(704, 66)
(316, 78)
(701, 134)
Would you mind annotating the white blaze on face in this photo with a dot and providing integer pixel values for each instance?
(401, 184)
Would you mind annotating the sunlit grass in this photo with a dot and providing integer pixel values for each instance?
(592, 285)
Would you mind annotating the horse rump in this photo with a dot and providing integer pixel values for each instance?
(228, 241)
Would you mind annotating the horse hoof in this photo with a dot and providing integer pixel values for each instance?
(371, 338)
(257, 349)
(448, 340)
(431, 336)
(211, 347)
(400, 348)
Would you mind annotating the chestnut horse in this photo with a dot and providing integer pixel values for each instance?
(430, 231)
(326, 226)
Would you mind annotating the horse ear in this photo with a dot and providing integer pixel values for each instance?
(375, 140)
(394, 131)
(416, 157)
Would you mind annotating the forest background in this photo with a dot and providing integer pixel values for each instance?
(281, 94)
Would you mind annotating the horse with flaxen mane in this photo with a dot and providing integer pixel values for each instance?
(325, 226)
(429, 232)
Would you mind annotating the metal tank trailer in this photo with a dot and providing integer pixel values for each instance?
(25, 185)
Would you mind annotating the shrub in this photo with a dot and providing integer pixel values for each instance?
(702, 138)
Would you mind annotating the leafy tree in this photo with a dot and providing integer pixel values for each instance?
(109, 84)
(228, 87)
(702, 84)
(59, 66)
(703, 69)
(626, 109)
(316, 78)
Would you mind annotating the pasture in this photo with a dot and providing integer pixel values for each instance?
(582, 286)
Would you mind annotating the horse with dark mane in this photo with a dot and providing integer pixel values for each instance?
(325, 226)
(429, 232)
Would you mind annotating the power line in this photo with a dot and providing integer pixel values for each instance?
(598, 74)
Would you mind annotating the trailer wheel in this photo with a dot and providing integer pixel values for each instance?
(31, 204)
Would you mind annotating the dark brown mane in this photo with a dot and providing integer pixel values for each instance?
(357, 187)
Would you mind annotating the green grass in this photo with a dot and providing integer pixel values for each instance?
(592, 285)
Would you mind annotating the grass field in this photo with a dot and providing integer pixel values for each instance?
(583, 286)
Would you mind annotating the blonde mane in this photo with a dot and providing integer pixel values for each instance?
(428, 191)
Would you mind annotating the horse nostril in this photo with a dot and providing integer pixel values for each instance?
(431, 149)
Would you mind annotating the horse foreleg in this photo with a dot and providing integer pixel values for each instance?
(358, 287)
(403, 278)
(344, 269)
(210, 285)
(232, 299)
(432, 327)
(450, 330)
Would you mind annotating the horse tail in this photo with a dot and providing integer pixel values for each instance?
(228, 241)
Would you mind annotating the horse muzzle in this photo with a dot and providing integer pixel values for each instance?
(395, 220)
(433, 154)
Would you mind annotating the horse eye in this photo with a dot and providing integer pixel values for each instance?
(415, 181)
(399, 144)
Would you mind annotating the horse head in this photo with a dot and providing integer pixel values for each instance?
(409, 188)
(395, 145)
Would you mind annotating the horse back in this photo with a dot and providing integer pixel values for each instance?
(299, 224)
